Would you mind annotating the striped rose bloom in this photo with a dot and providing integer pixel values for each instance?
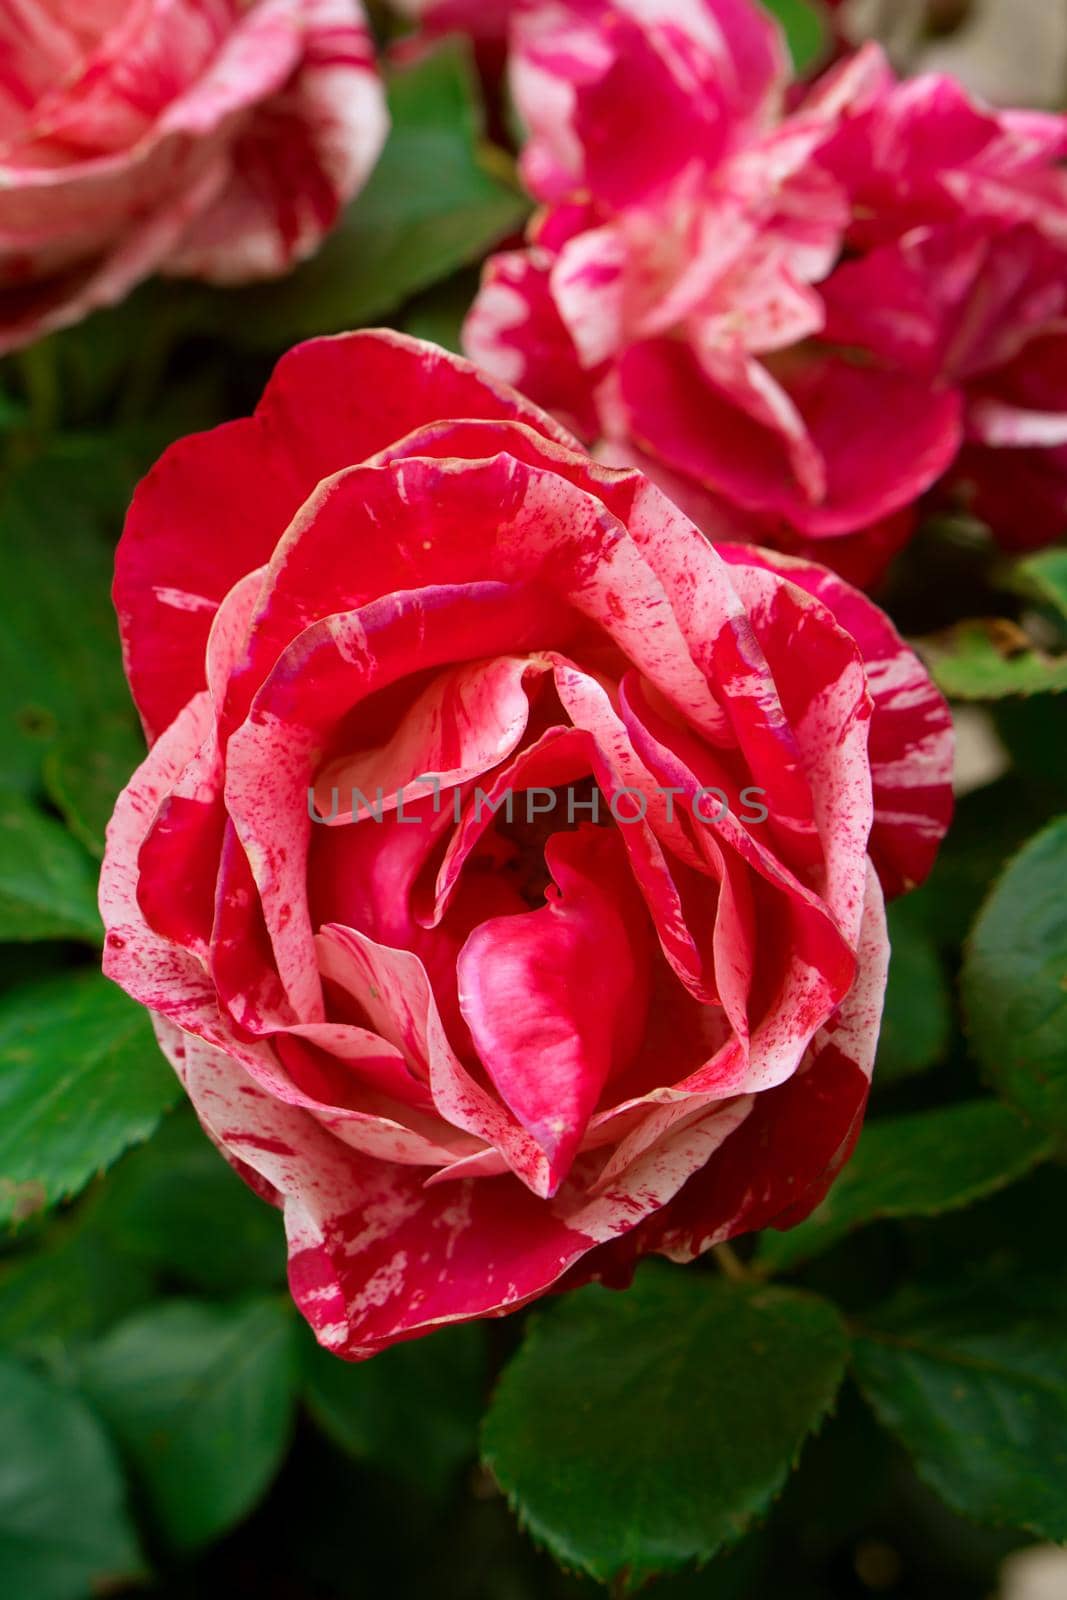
(212, 138)
(506, 877)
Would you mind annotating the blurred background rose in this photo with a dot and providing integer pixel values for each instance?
(202, 138)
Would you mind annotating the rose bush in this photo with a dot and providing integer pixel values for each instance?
(214, 138)
(799, 323)
(475, 1054)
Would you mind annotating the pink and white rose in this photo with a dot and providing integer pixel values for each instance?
(477, 1052)
(799, 322)
(212, 138)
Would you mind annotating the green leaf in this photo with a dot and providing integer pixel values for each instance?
(439, 199)
(68, 1289)
(915, 1166)
(62, 691)
(47, 882)
(88, 767)
(81, 1078)
(1045, 576)
(414, 1409)
(636, 1432)
(1014, 981)
(917, 1019)
(806, 30)
(64, 1531)
(973, 1380)
(177, 1206)
(994, 659)
(987, 660)
(200, 1398)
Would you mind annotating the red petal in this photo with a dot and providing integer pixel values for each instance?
(215, 505)
(884, 437)
(555, 1000)
(911, 741)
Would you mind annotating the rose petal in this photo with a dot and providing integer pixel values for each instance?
(883, 437)
(555, 999)
(330, 402)
(911, 742)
